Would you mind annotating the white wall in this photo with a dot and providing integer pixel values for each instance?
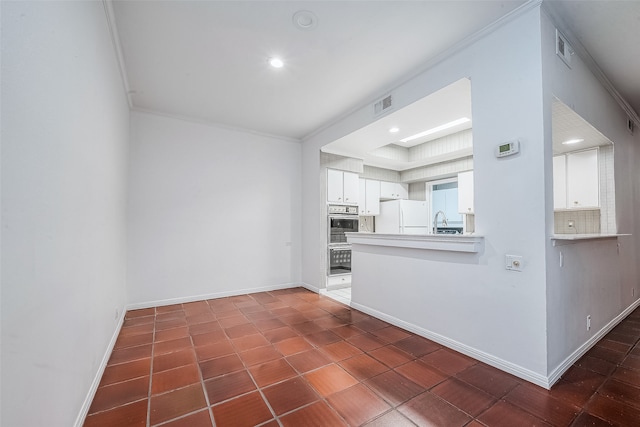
(212, 211)
(471, 300)
(64, 153)
(598, 278)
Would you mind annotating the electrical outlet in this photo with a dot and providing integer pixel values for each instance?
(588, 322)
(513, 262)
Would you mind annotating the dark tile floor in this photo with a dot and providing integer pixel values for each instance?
(294, 358)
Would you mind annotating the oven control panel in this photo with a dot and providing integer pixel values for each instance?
(343, 210)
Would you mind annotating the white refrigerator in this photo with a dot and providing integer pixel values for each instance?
(403, 217)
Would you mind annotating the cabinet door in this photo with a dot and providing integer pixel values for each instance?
(351, 187)
(393, 190)
(465, 192)
(583, 185)
(334, 186)
(372, 197)
(362, 196)
(402, 190)
(560, 182)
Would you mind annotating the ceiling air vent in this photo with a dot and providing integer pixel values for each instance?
(563, 48)
(383, 105)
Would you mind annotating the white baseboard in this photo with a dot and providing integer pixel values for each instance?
(576, 355)
(311, 288)
(222, 294)
(84, 409)
(487, 358)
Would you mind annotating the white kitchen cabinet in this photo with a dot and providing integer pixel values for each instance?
(576, 182)
(583, 183)
(351, 187)
(369, 203)
(465, 192)
(560, 182)
(393, 190)
(342, 187)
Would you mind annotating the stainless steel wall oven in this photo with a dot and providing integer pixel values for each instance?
(341, 219)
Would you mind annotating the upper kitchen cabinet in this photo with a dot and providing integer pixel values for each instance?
(576, 182)
(342, 187)
(393, 190)
(369, 197)
(465, 192)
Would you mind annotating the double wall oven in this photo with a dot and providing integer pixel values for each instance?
(341, 219)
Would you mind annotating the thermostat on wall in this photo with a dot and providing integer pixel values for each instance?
(508, 148)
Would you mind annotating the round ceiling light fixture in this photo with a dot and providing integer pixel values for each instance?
(305, 20)
(394, 129)
(276, 62)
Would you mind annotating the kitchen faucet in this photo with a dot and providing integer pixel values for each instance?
(435, 221)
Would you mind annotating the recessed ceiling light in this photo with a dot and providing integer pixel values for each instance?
(394, 129)
(572, 141)
(305, 20)
(436, 129)
(276, 62)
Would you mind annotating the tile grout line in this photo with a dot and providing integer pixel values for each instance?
(153, 344)
(204, 388)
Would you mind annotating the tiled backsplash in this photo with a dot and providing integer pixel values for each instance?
(585, 221)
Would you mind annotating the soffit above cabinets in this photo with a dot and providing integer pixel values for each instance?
(378, 147)
(567, 125)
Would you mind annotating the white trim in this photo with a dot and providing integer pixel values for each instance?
(84, 409)
(435, 242)
(212, 123)
(487, 358)
(591, 64)
(222, 294)
(117, 47)
(580, 351)
(311, 288)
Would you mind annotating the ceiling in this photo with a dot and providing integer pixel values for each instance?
(207, 60)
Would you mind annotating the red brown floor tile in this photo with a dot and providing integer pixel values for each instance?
(543, 406)
(132, 414)
(220, 366)
(468, 398)
(167, 406)
(259, 355)
(227, 386)
(199, 419)
(503, 414)
(291, 357)
(330, 379)
(114, 395)
(318, 414)
(428, 409)
(245, 411)
(171, 379)
(391, 419)
(125, 371)
(394, 388)
(290, 395)
(308, 360)
(357, 405)
(272, 372)
(363, 367)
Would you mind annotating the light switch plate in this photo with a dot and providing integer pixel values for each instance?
(513, 262)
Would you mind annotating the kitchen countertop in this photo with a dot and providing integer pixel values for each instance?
(437, 242)
(565, 239)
